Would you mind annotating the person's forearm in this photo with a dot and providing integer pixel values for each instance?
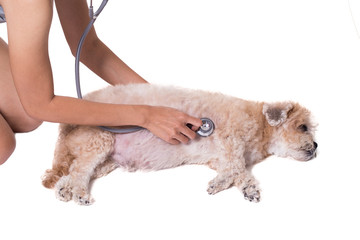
(95, 54)
(102, 61)
(82, 112)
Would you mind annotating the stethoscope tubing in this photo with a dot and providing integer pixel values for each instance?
(204, 131)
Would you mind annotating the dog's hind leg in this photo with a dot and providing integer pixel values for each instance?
(76, 185)
(104, 168)
(62, 159)
(81, 176)
(91, 148)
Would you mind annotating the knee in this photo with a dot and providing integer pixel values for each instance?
(7, 147)
(27, 125)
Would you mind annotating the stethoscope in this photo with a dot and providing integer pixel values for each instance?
(207, 127)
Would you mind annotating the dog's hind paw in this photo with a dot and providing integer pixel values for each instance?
(63, 191)
(252, 193)
(64, 194)
(83, 199)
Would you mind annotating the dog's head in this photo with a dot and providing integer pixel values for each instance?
(292, 131)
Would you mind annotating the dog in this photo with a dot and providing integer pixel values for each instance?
(246, 133)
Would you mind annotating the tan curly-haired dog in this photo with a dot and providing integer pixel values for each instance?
(246, 133)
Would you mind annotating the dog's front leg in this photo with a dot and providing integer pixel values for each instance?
(228, 172)
(221, 182)
(231, 168)
(238, 176)
(249, 186)
(243, 179)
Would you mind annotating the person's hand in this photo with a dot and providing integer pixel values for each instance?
(171, 125)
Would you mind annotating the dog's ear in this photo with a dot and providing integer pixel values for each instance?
(277, 113)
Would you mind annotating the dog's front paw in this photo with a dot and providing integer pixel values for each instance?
(219, 184)
(251, 193)
(212, 189)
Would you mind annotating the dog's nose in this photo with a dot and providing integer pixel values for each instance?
(315, 145)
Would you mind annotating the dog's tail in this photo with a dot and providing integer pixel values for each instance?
(62, 159)
(52, 176)
(49, 179)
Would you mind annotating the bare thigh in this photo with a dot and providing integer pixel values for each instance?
(7, 140)
(11, 108)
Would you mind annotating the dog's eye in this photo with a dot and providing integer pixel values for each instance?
(303, 128)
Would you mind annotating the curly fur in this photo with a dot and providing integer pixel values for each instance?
(246, 133)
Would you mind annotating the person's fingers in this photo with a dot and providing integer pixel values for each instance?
(189, 133)
(172, 125)
(195, 122)
(173, 142)
(182, 138)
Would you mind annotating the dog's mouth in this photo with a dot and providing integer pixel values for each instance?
(310, 153)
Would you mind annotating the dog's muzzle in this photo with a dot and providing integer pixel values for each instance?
(312, 152)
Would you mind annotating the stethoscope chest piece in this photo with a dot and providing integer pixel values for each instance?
(207, 128)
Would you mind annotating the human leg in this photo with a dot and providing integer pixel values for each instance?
(7, 140)
(13, 118)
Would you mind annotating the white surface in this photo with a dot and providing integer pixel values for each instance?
(306, 51)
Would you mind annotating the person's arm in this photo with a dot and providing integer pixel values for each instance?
(28, 30)
(74, 17)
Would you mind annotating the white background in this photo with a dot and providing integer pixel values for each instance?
(307, 51)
